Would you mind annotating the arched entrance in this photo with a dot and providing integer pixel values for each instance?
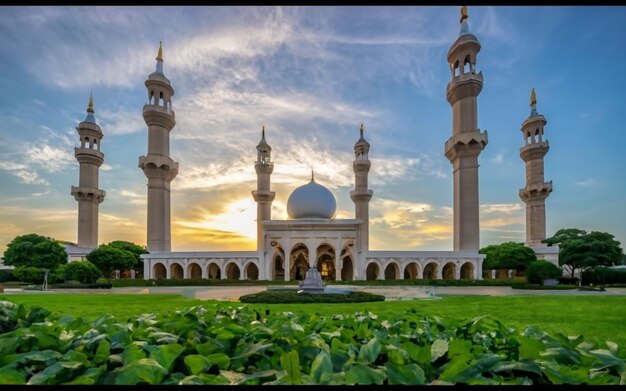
(430, 271)
(252, 272)
(278, 268)
(392, 271)
(347, 272)
(299, 262)
(372, 271)
(448, 271)
(194, 271)
(326, 262)
(467, 271)
(411, 271)
(214, 272)
(232, 272)
(159, 271)
(176, 271)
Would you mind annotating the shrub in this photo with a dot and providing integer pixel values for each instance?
(6, 275)
(103, 280)
(542, 270)
(84, 272)
(611, 276)
(284, 296)
(29, 274)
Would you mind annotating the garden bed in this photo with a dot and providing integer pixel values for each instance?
(287, 296)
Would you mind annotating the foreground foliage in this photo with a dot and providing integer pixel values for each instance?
(285, 296)
(244, 346)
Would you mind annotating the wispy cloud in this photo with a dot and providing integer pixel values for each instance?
(587, 182)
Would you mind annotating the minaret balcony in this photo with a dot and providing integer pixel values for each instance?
(159, 115)
(361, 165)
(466, 144)
(264, 167)
(464, 86)
(85, 193)
(534, 151)
(263, 195)
(361, 196)
(535, 191)
(158, 166)
(89, 156)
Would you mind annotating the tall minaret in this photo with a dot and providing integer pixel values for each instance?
(467, 141)
(361, 195)
(262, 195)
(87, 193)
(536, 191)
(158, 166)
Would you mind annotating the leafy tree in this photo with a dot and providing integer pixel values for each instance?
(108, 258)
(581, 250)
(35, 251)
(542, 270)
(81, 271)
(29, 274)
(134, 249)
(508, 255)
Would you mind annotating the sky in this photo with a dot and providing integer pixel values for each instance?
(310, 75)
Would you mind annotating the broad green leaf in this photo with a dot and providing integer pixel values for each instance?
(90, 376)
(322, 368)
(362, 374)
(73, 355)
(290, 362)
(394, 355)
(438, 349)
(253, 349)
(612, 346)
(166, 354)
(370, 351)
(103, 352)
(562, 355)
(220, 359)
(212, 346)
(57, 373)
(8, 346)
(12, 376)
(607, 358)
(145, 370)
(197, 363)
(404, 374)
(530, 348)
(132, 353)
(524, 365)
(191, 380)
(419, 354)
(46, 357)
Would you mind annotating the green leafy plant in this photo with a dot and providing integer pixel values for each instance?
(292, 296)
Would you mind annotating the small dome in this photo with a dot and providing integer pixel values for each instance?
(311, 201)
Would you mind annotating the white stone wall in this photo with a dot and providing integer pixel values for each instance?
(224, 261)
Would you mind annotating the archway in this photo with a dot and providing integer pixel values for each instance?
(214, 272)
(467, 271)
(347, 272)
(194, 271)
(448, 271)
(252, 272)
(278, 269)
(430, 271)
(392, 271)
(232, 271)
(159, 271)
(176, 271)
(326, 262)
(502, 274)
(411, 271)
(372, 271)
(299, 262)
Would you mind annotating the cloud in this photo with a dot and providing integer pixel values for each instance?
(121, 121)
(587, 182)
(22, 171)
(498, 159)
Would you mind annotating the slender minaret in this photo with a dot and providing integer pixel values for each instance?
(158, 166)
(87, 193)
(361, 195)
(467, 141)
(536, 191)
(262, 195)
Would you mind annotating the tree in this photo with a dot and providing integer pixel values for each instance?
(108, 258)
(133, 249)
(541, 270)
(84, 272)
(35, 251)
(582, 250)
(508, 255)
(29, 274)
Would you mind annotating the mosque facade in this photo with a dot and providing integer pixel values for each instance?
(312, 237)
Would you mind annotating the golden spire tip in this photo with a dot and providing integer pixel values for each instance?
(464, 14)
(312, 177)
(90, 108)
(533, 97)
(160, 55)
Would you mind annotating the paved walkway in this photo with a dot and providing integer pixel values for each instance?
(232, 293)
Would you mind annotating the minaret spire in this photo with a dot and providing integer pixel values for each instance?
(312, 177)
(90, 107)
(533, 103)
(463, 21)
(361, 196)
(263, 195)
(159, 59)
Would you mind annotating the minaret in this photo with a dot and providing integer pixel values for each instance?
(361, 195)
(467, 141)
(262, 195)
(158, 166)
(87, 193)
(536, 191)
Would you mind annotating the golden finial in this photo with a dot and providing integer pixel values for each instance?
(533, 97)
(90, 108)
(160, 55)
(361, 129)
(263, 132)
(463, 13)
(312, 177)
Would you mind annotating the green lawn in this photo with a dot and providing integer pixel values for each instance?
(596, 318)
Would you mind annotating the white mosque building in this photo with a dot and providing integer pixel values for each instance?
(312, 236)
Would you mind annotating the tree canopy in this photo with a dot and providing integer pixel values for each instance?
(579, 249)
(507, 255)
(132, 248)
(34, 250)
(108, 258)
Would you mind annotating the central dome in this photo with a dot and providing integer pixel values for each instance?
(311, 201)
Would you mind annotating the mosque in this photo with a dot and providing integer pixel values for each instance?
(312, 236)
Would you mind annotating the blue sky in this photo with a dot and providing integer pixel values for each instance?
(311, 75)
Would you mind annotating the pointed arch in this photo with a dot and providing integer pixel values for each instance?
(194, 271)
(467, 271)
(232, 271)
(347, 271)
(392, 271)
(159, 272)
(251, 271)
(411, 271)
(176, 271)
(448, 271)
(214, 271)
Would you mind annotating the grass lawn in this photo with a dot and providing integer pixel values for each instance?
(596, 318)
